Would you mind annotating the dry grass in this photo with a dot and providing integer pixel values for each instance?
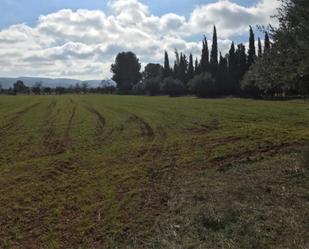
(305, 158)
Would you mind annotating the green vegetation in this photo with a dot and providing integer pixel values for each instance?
(138, 172)
(284, 67)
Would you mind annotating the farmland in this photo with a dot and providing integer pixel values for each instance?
(99, 171)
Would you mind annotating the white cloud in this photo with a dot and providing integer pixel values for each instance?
(231, 18)
(83, 43)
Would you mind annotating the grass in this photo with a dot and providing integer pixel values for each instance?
(152, 172)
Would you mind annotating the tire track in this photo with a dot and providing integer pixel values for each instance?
(58, 168)
(4, 130)
(102, 133)
(100, 119)
(146, 129)
(66, 139)
(59, 145)
(224, 163)
(52, 142)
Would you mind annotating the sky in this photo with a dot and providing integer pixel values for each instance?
(80, 39)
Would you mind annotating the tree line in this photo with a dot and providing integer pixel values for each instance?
(211, 75)
(39, 89)
(278, 66)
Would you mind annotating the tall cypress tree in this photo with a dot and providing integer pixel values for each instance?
(214, 50)
(260, 51)
(232, 61)
(176, 65)
(183, 68)
(190, 68)
(251, 51)
(197, 67)
(205, 56)
(266, 43)
(167, 69)
(232, 68)
(222, 76)
(175, 70)
(241, 62)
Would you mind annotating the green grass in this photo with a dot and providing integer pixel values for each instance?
(152, 172)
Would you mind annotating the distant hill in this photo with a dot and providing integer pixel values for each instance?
(49, 82)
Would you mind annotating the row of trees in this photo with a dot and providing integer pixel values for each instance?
(280, 66)
(211, 75)
(38, 89)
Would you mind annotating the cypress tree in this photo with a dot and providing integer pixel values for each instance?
(241, 62)
(222, 87)
(205, 56)
(167, 69)
(232, 68)
(214, 50)
(175, 70)
(222, 62)
(183, 67)
(266, 43)
(232, 61)
(190, 68)
(176, 65)
(177, 57)
(197, 67)
(260, 51)
(251, 51)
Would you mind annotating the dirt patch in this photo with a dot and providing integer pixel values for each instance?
(63, 167)
(161, 132)
(58, 168)
(227, 140)
(204, 128)
(252, 155)
(53, 146)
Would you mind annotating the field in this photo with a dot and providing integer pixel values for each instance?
(100, 171)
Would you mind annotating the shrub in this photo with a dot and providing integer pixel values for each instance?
(203, 85)
(139, 89)
(248, 85)
(152, 86)
(173, 87)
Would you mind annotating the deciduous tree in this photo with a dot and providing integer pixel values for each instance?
(126, 71)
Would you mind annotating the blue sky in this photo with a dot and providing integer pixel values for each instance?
(27, 11)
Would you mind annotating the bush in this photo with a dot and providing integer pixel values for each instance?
(248, 85)
(173, 87)
(203, 85)
(152, 86)
(139, 89)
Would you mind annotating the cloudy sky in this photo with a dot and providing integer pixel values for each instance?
(79, 39)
